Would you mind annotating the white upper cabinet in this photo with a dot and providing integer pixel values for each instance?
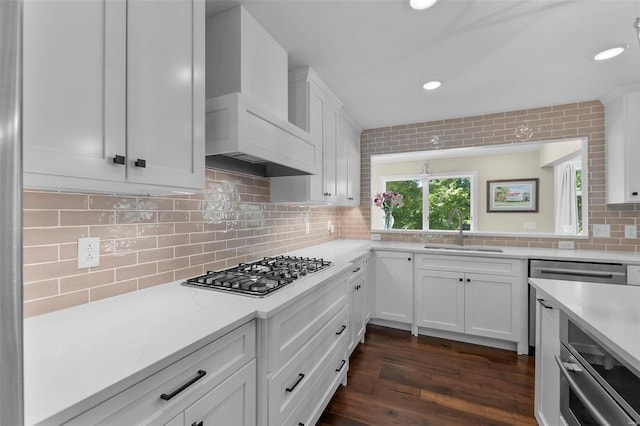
(117, 83)
(165, 92)
(348, 163)
(74, 88)
(314, 108)
(622, 121)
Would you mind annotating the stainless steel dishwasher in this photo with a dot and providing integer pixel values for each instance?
(605, 273)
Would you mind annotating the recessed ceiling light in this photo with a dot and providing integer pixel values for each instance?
(432, 85)
(422, 4)
(609, 53)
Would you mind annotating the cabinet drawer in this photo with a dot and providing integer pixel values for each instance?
(314, 402)
(233, 402)
(287, 388)
(357, 269)
(292, 328)
(142, 404)
(512, 267)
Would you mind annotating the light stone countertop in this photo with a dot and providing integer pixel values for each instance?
(516, 252)
(78, 357)
(610, 312)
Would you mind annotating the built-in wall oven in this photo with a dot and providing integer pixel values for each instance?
(596, 386)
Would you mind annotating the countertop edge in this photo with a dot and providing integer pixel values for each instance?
(540, 284)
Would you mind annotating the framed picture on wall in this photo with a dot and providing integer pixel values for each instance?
(512, 196)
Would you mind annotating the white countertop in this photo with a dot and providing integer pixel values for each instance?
(610, 312)
(517, 252)
(78, 357)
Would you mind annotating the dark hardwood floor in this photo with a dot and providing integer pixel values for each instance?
(398, 379)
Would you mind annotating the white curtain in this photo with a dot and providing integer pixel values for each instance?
(566, 206)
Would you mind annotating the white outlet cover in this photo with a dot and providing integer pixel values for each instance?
(602, 231)
(630, 231)
(567, 245)
(530, 225)
(88, 252)
(375, 237)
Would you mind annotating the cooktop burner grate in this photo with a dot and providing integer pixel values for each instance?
(259, 278)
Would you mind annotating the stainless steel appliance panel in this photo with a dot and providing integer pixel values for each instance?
(583, 402)
(605, 273)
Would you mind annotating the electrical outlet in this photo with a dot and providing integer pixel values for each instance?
(630, 231)
(329, 225)
(565, 245)
(307, 228)
(601, 231)
(88, 252)
(375, 237)
(530, 225)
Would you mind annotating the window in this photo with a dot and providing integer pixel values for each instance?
(428, 200)
(579, 196)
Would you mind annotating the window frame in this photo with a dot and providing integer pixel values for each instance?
(472, 175)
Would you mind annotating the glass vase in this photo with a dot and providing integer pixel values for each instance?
(387, 220)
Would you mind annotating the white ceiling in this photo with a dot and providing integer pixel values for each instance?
(492, 55)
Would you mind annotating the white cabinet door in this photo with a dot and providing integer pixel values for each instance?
(368, 291)
(623, 146)
(165, 92)
(74, 88)
(348, 164)
(393, 291)
(176, 421)
(357, 297)
(547, 381)
(440, 300)
(317, 113)
(329, 150)
(492, 306)
(232, 403)
(119, 81)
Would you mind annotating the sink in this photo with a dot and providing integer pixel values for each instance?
(464, 248)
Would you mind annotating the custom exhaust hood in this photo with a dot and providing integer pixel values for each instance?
(247, 129)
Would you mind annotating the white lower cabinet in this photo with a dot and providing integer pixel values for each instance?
(232, 403)
(547, 380)
(213, 382)
(313, 403)
(357, 288)
(393, 286)
(300, 344)
(450, 297)
(440, 300)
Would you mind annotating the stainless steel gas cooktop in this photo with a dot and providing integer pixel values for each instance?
(259, 278)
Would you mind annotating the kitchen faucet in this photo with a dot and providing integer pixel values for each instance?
(461, 236)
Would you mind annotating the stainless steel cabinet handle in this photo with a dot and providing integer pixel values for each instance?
(355, 270)
(341, 365)
(544, 305)
(592, 274)
(350, 198)
(342, 329)
(119, 159)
